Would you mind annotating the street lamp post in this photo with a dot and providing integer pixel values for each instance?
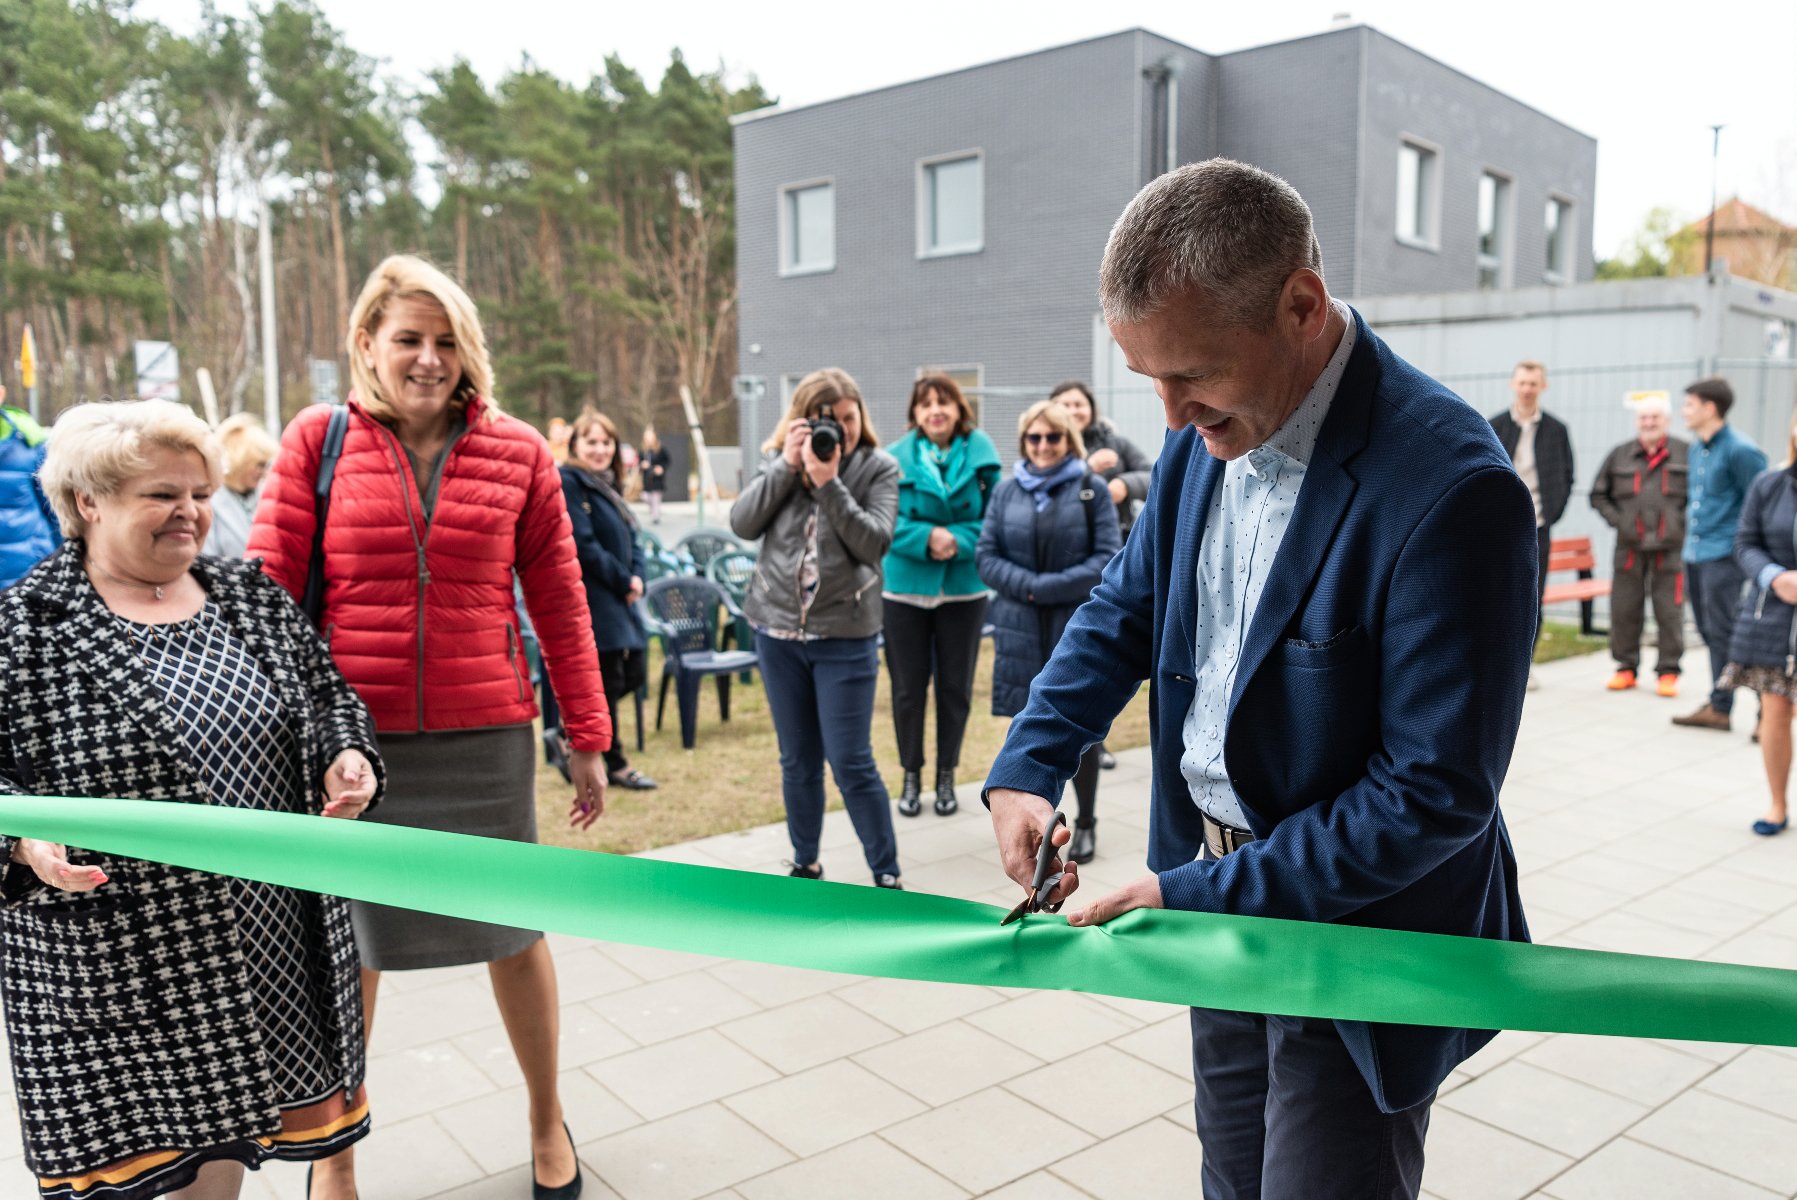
(1709, 233)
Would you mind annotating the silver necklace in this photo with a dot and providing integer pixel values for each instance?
(111, 578)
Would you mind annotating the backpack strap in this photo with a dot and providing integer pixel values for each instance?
(312, 602)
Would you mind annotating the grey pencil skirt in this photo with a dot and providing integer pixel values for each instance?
(479, 781)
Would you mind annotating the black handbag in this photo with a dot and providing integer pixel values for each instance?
(312, 601)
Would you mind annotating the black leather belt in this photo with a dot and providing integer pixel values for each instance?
(1220, 839)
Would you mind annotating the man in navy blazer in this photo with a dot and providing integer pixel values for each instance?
(1332, 592)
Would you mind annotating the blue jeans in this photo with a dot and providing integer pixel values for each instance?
(1283, 1111)
(1715, 588)
(822, 697)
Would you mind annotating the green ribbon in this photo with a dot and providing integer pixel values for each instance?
(1255, 964)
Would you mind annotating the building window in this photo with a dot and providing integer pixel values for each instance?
(1419, 187)
(1559, 239)
(807, 228)
(970, 379)
(951, 205)
(1494, 221)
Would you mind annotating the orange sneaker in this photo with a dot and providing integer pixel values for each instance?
(1667, 687)
(1622, 681)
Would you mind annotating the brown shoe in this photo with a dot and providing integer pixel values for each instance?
(1704, 718)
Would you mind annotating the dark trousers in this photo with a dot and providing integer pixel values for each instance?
(621, 672)
(1283, 1112)
(1715, 588)
(1544, 540)
(943, 642)
(1085, 784)
(1635, 576)
(822, 697)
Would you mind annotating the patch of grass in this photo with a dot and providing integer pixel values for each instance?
(1560, 640)
(731, 779)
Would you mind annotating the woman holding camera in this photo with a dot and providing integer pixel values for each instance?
(935, 602)
(1049, 534)
(824, 505)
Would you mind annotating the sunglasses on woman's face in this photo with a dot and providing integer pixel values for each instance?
(1037, 439)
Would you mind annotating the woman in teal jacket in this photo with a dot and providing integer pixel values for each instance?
(935, 602)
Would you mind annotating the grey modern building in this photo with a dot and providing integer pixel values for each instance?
(957, 222)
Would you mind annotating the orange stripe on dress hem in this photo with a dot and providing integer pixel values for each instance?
(117, 1172)
(316, 1132)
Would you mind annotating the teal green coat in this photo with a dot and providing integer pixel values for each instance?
(972, 472)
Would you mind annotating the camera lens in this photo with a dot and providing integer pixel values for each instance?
(826, 438)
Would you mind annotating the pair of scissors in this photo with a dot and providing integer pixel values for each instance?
(1044, 883)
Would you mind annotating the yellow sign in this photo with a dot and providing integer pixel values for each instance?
(1655, 398)
(28, 361)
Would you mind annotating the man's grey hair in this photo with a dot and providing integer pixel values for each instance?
(1233, 232)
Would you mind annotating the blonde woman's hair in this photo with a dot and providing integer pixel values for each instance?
(822, 389)
(245, 443)
(651, 439)
(97, 448)
(406, 276)
(1056, 417)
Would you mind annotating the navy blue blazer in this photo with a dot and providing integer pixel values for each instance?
(609, 556)
(1379, 694)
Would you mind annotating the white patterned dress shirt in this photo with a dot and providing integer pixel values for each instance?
(1249, 513)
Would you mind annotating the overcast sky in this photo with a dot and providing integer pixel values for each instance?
(1645, 78)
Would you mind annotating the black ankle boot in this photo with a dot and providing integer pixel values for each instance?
(910, 801)
(1084, 845)
(946, 804)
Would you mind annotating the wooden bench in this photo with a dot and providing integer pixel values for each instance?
(1574, 554)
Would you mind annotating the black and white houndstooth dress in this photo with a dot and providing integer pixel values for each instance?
(233, 727)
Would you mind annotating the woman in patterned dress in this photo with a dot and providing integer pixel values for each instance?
(169, 1028)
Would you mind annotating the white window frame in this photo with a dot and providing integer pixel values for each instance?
(1505, 219)
(784, 225)
(789, 383)
(924, 249)
(1565, 271)
(1430, 238)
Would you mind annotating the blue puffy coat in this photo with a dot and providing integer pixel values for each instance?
(1042, 565)
(1766, 537)
(609, 556)
(28, 529)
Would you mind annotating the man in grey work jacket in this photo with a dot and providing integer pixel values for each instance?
(1723, 463)
(1338, 668)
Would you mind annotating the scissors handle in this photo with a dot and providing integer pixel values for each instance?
(1043, 883)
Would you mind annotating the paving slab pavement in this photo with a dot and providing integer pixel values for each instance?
(687, 1077)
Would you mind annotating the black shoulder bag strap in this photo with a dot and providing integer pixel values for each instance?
(313, 600)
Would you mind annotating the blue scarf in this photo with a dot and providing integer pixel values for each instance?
(1041, 487)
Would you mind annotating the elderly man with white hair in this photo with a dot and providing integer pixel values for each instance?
(1640, 493)
(1332, 587)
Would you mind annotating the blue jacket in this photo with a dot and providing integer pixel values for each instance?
(1765, 546)
(1378, 697)
(609, 556)
(1043, 565)
(1720, 472)
(28, 528)
(926, 501)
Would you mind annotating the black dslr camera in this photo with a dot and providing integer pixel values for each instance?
(826, 436)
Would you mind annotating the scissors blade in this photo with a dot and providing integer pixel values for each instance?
(1016, 914)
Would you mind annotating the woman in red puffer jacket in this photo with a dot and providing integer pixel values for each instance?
(438, 499)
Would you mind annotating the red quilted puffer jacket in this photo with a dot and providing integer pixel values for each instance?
(419, 617)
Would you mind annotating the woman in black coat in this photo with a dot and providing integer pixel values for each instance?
(1049, 532)
(1111, 456)
(1763, 653)
(611, 566)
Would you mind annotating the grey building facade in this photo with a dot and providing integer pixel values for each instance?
(957, 222)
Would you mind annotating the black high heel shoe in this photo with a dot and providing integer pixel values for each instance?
(566, 1191)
